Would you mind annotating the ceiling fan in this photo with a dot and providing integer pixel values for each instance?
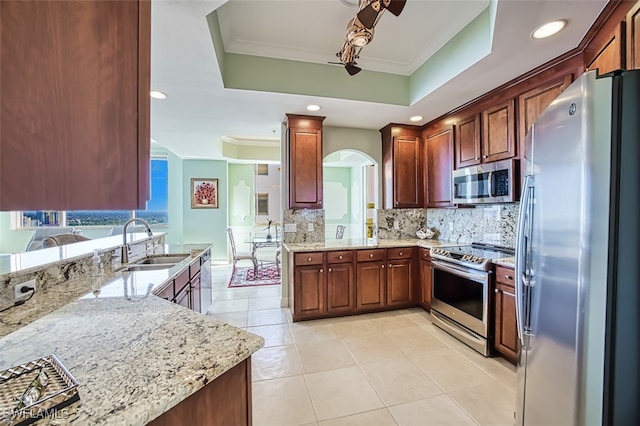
(360, 29)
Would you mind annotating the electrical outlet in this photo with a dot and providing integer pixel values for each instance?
(290, 227)
(396, 224)
(310, 227)
(18, 294)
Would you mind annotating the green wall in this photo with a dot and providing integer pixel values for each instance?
(237, 173)
(205, 225)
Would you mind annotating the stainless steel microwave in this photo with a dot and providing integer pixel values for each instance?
(486, 183)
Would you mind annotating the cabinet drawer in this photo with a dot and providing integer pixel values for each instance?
(194, 268)
(308, 258)
(370, 255)
(505, 275)
(425, 254)
(340, 256)
(400, 253)
(181, 280)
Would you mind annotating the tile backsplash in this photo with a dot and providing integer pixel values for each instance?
(399, 223)
(301, 219)
(492, 224)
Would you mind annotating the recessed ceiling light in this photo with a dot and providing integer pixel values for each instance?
(313, 107)
(157, 95)
(416, 118)
(548, 29)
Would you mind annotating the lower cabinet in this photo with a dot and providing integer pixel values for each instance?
(309, 291)
(225, 400)
(340, 288)
(185, 288)
(370, 285)
(505, 333)
(424, 289)
(400, 275)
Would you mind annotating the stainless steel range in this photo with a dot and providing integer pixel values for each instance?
(460, 293)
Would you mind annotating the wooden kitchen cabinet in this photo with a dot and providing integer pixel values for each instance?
(340, 282)
(402, 167)
(606, 52)
(75, 110)
(196, 291)
(309, 286)
(438, 165)
(498, 132)
(467, 141)
(371, 280)
(424, 289)
(304, 161)
(505, 334)
(400, 277)
(633, 37)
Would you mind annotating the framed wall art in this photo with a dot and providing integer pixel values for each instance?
(204, 193)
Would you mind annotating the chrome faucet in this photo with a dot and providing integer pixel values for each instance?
(125, 247)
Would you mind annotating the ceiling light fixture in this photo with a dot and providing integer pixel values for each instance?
(416, 118)
(548, 29)
(313, 107)
(155, 94)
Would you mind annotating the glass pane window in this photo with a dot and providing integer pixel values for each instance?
(262, 204)
(32, 219)
(97, 217)
(157, 211)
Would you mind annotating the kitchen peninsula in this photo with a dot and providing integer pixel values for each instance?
(135, 356)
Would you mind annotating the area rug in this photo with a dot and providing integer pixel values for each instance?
(243, 277)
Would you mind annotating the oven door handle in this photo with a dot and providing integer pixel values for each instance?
(465, 273)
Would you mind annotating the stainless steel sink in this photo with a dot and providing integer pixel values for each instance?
(146, 267)
(157, 259)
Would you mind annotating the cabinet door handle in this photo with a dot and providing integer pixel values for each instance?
(509, 277)
(496, 290)
(371, 255)
(340, 257)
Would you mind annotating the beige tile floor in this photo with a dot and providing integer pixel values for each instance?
(391, 368)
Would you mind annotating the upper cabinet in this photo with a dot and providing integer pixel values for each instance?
(402, 167)
(498, 132)
(75, 107)
(468, 141)
(438, 165)
(304, 161)
(633, 37)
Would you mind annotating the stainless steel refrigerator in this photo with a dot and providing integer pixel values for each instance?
(578, 257)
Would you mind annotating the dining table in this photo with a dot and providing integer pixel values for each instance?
(261, 241)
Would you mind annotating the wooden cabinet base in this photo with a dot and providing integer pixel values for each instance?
(224, 401)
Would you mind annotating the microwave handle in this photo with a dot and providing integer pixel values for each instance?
(490, 179)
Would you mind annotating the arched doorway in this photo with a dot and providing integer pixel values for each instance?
(350, 187)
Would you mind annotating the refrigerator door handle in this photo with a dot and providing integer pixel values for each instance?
(521, 253)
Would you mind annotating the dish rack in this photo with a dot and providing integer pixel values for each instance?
(60, 390)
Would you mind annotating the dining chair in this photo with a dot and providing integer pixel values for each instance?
(339, 232)
(240, 255)
(62, 240)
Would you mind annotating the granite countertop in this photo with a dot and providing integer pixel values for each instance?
(363, 243)
(34, 260)
(506, 261)
(133, 354)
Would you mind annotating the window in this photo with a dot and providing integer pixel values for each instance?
(262, 204)
(156, 212)
(262, 169)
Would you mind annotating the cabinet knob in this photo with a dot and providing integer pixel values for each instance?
(309, 259)
(485, 156)
(477, 158)
(390, 265)
(320, 269)
(509, 277)
(396, 203)
(496, 290)
(340, 257)
(329, 270)
(371, 255)
(382, 266)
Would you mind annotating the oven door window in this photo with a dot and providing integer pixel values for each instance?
(471, 186)
(461, 293)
